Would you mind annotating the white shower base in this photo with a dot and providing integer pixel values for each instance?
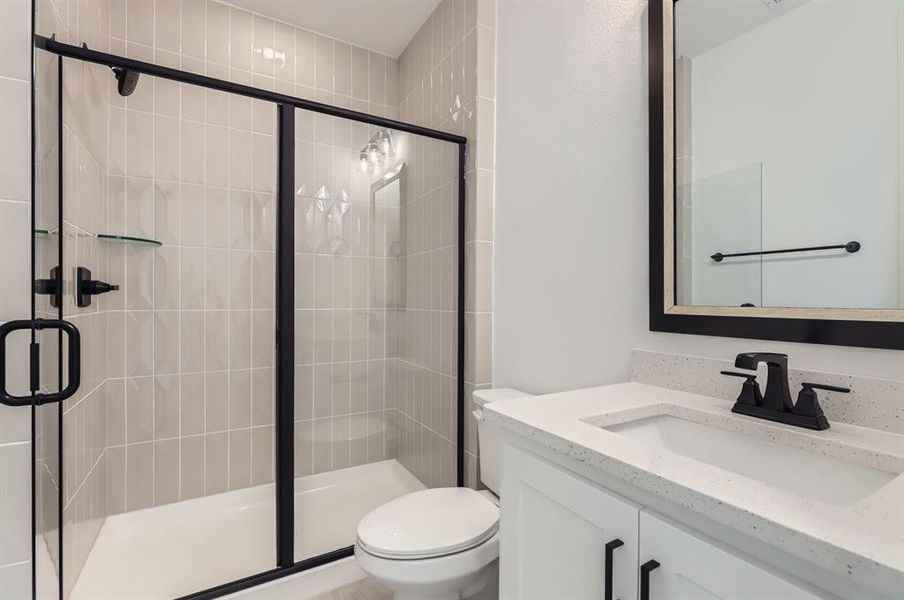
(172, 550)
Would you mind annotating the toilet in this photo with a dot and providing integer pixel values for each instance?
(440, 543)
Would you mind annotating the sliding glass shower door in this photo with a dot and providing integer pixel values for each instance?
(376, 279)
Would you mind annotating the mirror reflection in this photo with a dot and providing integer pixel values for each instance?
(789, 131)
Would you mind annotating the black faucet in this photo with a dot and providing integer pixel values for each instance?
(775, 404)
(778, 392)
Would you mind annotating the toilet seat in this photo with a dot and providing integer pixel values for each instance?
(429, 524)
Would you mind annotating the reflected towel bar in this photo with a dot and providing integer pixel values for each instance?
(850, 247)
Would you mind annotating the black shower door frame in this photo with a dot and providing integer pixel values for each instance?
(284, 414)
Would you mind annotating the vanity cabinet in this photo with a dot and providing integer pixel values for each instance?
(690, 568)
(555, 528)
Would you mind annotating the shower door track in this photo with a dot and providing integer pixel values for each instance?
(112, 60)
(285, 290)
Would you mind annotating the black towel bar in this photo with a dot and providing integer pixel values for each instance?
(850, 247)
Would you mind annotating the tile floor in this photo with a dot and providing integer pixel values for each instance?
(364, 589)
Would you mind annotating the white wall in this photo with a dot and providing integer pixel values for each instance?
(812, 96)
(571, 222)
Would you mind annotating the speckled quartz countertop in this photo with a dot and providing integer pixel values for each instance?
(862, 540)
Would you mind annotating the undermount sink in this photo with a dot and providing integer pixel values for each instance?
(805, 472)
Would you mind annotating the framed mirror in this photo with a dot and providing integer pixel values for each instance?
(777, 170)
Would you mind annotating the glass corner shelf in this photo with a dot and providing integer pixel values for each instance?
(127, 239)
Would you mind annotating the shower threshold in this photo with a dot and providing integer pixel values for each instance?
(175, 549)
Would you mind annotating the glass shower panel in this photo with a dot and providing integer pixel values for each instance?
(47, 295)
(720, 214)
(168, 447)
(375, 326)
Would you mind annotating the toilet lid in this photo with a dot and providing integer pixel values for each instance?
(429, 523)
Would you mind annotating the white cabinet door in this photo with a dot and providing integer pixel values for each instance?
(554, 531)
(693, 569)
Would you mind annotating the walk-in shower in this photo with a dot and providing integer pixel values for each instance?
(278, 348)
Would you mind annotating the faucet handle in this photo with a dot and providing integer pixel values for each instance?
(807, 404)
(750, 391)
(828, 388)
(736, 374)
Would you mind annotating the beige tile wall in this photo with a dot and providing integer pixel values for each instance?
(342, 320)
(425, 374)
(205, 190)
(344, 301)
(448, 81)
(85, 183)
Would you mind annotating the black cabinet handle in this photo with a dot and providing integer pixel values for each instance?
(616, 543)
(645, 578)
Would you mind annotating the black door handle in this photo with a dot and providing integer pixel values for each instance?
(616, 543)
(74, 362)
(645, 578)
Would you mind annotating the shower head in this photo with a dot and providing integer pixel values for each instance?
(127, 80)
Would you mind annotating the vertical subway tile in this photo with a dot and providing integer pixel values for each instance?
(284, 53)
(342, 67)
(323, 67)
(139, 409)
(216, 469)
(239, 458)
(216, 278)
(166, 342)
(262, 396)
(192, 207)
(191, 466)
(216, 409)
(166, 406)
(166, 471)
(377, 78)
(15, 16)
(217, 32)
(305, 58)
(140, 22)
(191, 410)
(139, 476)
(239, 399)
(216, 338)
(263, 32)
(261, 455)
(15, 498)
(191, 341)
(116, 479)
(304, 389)
(240, 42)
(168, 24)
(14, 129)
(216, 216)
(193, 17)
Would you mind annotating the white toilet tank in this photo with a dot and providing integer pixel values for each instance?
(488, 434)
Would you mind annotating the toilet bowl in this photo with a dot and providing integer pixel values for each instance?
(440, 543)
